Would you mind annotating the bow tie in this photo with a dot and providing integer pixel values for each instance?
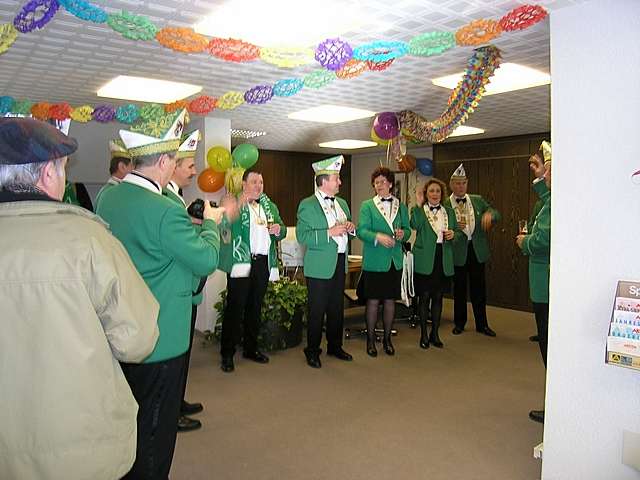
(387, 199)
(461, 200)
(330, 198)
(434, 209)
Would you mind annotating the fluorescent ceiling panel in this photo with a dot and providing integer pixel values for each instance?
(507, 78)
(465, 130)
(330, 114)
(147, 89)
(347, 144)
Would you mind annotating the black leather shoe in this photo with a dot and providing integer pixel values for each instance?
(190, 408)
(227, 364)
(534, 338)
(186, 424)
(457, 330)
(313, 359)
(486, 331)
(424, 342)
(537, 415)
(388, 346)
(371, 349)
(436, 342)
(340, 354)
(256, 356)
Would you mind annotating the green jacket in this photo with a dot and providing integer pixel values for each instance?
(537, 245)
(238, 228)
(479, 238)
(160, 239)
(536, 209)
(376, 257)
(424, 248)
(312, 231)
(195, 299)
(110, 184)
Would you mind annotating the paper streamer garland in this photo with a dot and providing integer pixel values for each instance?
(104, 113)
(431, 43)
(352, 69)
(127, 113)
(84, 10)
(182, 40)
(522, 17)
(60, 111)
(379, 66)
(233, 50)
(287, 87)
(82, 114)
(177, 105)
(462, 102)
(40, 110)
(478, 32)
(202, 105)
(380, 51)
(151, 111)
(133, 27)
(319, 78)
(287, 57)
(333, 53)
(35, 14)
(230, 100)
(6, 105)
(258, 94)
(8, 35)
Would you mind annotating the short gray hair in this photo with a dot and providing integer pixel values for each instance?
(26, 174)
(150, 160)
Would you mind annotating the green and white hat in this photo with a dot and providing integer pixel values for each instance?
(117, 149)
(546, 150)
(157, 135)
(459, 173)
(189, 145)
(329, 166)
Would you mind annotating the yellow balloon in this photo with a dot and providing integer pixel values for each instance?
(219, 158)
(233, 180)
(377, 139)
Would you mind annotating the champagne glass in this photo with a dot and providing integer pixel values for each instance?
(522, 227)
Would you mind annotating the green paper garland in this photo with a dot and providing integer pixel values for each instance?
(151, 111)
(133, 27)
(22, 107)
(431, 43)
(319, 78)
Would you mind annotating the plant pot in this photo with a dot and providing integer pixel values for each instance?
(283, 334)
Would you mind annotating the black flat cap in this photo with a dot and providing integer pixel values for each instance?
(25, 140)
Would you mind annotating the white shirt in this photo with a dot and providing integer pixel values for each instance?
(175, 189)
(437, 221)
(467, 210)
(259, 238)
(333, 212)
(136, 178)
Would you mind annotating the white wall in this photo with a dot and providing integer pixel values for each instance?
(595, 66)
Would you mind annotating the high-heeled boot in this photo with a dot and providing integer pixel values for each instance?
(434, 338)
(387, 345)
(371, 346)
(424, 337)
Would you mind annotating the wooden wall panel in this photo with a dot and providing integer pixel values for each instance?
(498, 170)
(288, 178)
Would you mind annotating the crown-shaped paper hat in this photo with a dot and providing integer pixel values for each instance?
(156, 135)
(459, 173)
(117, 149)
(189, 145)
(329, 166)
(546, 150)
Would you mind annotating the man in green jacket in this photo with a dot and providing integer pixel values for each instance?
(470, 252)
(324, 223)
(160, 238)
(119, 167)
(248, 256)
(537, 246)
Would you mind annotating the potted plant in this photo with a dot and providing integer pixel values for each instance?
(283, 314)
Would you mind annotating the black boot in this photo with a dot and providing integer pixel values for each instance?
(387, 345)
(423, 314)
(434, 339)
(371, 345)
(436, 313)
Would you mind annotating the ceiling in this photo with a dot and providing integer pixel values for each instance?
(70, 59)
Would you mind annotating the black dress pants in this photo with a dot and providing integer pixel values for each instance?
(157, 387)
(244, 305)
(194, 314)
(326, 298)
(541, 312)
(477, 290)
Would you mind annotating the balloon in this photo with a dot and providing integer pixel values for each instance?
(407, 163)
(425, 166)
(219, 158)
(245, 155)
(377, 139)
(210, 181)
(386, 125)
(233, 180)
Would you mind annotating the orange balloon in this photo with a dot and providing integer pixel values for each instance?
(407, 163)
(210, 181)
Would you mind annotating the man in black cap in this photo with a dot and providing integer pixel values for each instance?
(73, 306)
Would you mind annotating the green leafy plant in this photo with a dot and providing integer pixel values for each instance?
(283, 314)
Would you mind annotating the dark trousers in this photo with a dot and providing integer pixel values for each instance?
(325, 298)
(157, 387)
(244, 304)
(477, 290)
(541, 312)
(187, 358)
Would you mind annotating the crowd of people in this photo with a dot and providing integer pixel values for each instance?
(111, 299)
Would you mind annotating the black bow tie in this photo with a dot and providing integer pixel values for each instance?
(387, 199)
(461, 200)
(330, 198)
(434, 209)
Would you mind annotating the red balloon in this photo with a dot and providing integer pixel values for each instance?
(210, 181)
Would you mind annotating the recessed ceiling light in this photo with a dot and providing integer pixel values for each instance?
(330, 114)
(465, 130)
(509, 77)
(348, 144)
(147, 89)
(282, 22)
(239, 133)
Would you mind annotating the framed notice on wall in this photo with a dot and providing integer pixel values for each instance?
(623, 341)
